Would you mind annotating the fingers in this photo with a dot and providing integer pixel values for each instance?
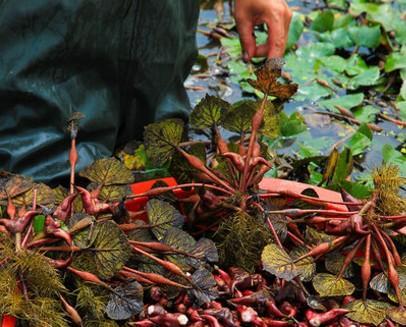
(277, 37)
(247, 39)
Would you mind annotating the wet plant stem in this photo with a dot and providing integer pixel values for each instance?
(256, 123)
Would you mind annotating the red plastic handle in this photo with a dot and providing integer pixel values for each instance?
(8, 321)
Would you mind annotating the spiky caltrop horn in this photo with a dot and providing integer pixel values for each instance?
(387, 181)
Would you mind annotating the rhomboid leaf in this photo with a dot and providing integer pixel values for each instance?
(206, 249)
(334, 261)
(276, 261)
(398, 315)
(209, 112)
(163, 217)
(45, 195)
(182, 241)
(205, 289)
(160, 140)
(238, 118)
(14, 185)
(330, 285)
(108, 171)
(126, 301)
(313, 236)
(368, 311)
(107, 250)
(267, 82)
(306, 266)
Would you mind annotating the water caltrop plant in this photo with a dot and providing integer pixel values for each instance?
(222, 252)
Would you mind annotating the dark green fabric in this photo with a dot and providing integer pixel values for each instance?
(121, 63)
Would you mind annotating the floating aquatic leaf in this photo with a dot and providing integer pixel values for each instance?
(45, 195)
(108, 171)
(323, 22)
(267, 82)
(209, 112)
(276, 261)
(238, 118)
(306, 267)
(106, 252)
(160, 140)
(367, 312)
(182, 241)
(205, 290)
(126, 301)
(14, 185)
(330, 285)
(163, 217)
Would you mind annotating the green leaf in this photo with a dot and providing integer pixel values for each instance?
(106, 252)
(306, 267)
(346, 101)
(277, 262)
(14, 185)
(209, 112)
(355, 65)
(339, 37)
(394, 157)
(126, 301)
(380, 283)
(367, 312)
(205, 290)
(323, 22)
(44, 195)
(333, 263)
(238, 119)
(292, 125)
(179, 240)
(271, 123)
(163, 217)
(343, 167)
(160, 140)
(365, 36)
(367, 78)
(108, 171)
(314, 237)
(398, 315)
(112, 193)
(360, 140)
(330, 285)
(366, 114)
(356, 189)
(335, 63)
(295, 29)
(38, 224)
(396, 60)
(205, 249)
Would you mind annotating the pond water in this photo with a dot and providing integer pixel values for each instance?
(216, 81)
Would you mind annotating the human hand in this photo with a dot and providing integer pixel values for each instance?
(275, 14)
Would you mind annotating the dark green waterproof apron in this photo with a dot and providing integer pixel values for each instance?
(122, 63)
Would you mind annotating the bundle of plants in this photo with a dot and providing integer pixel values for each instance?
(225, 253)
